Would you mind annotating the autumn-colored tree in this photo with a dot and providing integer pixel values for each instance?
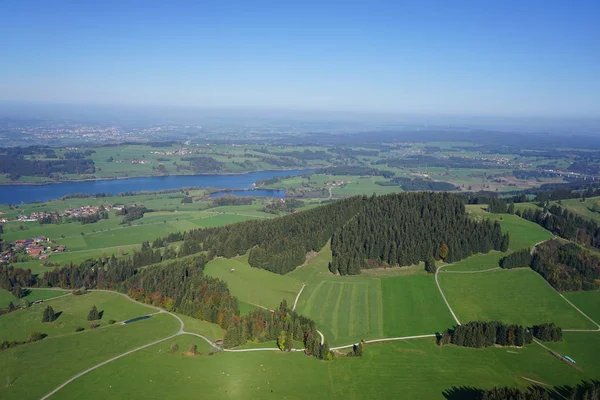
(443, 252)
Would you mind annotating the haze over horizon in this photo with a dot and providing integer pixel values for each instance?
(509, 59)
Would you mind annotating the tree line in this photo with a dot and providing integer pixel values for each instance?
(406, 228)
(486, 333)
(565, 224)
(583, 391)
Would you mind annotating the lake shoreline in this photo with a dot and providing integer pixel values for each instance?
(146, 176)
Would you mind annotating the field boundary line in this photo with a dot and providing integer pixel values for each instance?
(386, 340)
(437, 282)
(472, 272)
(534, 381)
(582, 313)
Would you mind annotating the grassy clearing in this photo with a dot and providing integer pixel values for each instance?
(403, 370)
(478, 262)
(345, 309)
(588, 302)
(253, 285)
(34, 369)
(74, 311)
(412, 305)
(518, 296)
(155, 373)
(211, 331)
(583, 347)
(584, 208)
(33, 295)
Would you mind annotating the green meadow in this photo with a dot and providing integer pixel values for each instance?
(18, 325)
(518, 296)
(32, 370)
(404, 370)
(32, 295)
(252, 285)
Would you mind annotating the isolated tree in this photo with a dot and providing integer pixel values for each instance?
(11, 307)
(17, 291)
(511, 208)
(281, 339)
(174, 348)
(443, 251)
(93, 315)
(430, 265)
(193, 349)
(48, 315)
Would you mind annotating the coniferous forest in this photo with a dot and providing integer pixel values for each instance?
(406, 228)
(487, 333)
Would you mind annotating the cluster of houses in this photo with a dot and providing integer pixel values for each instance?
(134, 161)
(178, 152)
(39, 247)
(83, 211)
(336, 183)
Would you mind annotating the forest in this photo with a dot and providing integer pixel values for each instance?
(16, 167)
(566, 267)
(404, 229)
(420, 184)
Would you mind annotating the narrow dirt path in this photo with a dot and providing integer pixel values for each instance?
(437, 282)
(298, 296)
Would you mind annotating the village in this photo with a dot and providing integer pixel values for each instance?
(75, 213)
(39, 248)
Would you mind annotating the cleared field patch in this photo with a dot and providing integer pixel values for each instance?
(523, 234)
(74, 311)
(207, 329)
(6, 297)
(156, 373)
(401, 370)
(412, 305)
(345, 309)
(588, 302)
(253, 285)
(590, 208)
(35, 369)
(478, 262)
(583, 347)
(419, 369)
(518, 296)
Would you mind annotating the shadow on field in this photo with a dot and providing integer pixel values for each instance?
(462, 393)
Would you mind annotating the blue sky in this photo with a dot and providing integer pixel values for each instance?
(491, 58)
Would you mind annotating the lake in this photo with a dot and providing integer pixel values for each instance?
(16, 194)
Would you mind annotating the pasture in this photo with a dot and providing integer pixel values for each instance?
(32, 295)
(73, 310)
(412, 305)
(518, 296)
(32, 370)
(405, 370)
(253, 285)
(588, 302)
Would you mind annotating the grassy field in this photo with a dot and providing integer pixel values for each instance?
(74, 311)
(583, 347)
(345, 309)
(32, 370)
(211, 331)
(518, 296)
(404, 370)
(6, 297)
(584, 208)
(588, 302)
(478, 262)
(252, 285)
(351, 308)
(412, 305)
